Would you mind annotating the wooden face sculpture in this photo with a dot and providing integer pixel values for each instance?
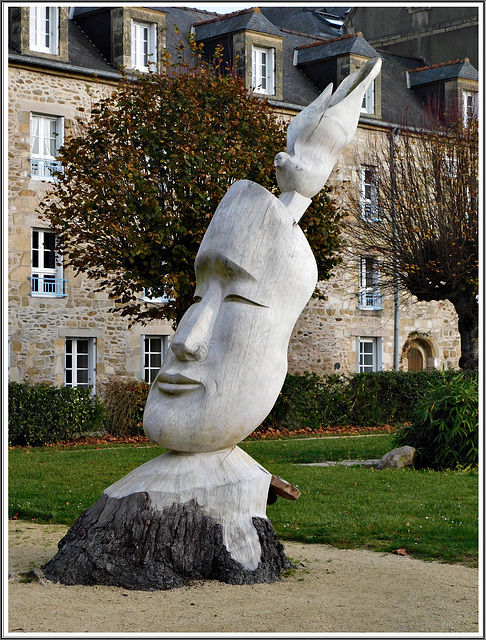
(228, 358)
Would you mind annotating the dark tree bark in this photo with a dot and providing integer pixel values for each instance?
(127, 542)
(467, 323)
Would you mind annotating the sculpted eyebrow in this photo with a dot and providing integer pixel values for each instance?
(224, 266)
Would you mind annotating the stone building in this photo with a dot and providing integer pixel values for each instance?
(62, 59)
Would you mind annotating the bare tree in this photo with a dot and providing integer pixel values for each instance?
(419, 216)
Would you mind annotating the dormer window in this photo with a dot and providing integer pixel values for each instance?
(44, 24)
(368, 105)
(263, 70)
(144, 45)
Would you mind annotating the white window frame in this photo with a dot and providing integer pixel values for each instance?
(369, 296)
(263, 70)
(144, 44)
(469, 105)
(43, 157)
(149, 369)
(368, 193)
(148, 297)
(80, 357)
(368, 104)
(46, 280)
(365, 364)
(44, 29)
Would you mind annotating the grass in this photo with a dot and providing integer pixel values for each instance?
(318, 450)
(431, 515)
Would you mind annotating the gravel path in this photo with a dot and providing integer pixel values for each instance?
(335, 591)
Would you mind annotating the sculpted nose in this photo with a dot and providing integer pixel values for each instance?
(190, 350)
(191, 340)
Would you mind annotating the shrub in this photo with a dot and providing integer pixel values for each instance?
(444, 427)
(124, 402)
(42, 413)
(384, 397)
(363, 399)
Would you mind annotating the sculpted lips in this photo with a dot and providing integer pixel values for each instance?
(175, 383)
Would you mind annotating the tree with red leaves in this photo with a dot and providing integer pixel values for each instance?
(144, 176)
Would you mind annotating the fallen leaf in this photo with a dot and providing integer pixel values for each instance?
(407, 524)
(401, 552)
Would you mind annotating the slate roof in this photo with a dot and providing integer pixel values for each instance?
(182, 18)
(299, 28)
(297, 87)
(248, 19)
(353, 43)
(399, 105)
(440, 72)
(83, 53)
(302, 19)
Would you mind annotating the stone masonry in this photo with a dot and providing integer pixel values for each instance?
(39, 326)
(324, 339)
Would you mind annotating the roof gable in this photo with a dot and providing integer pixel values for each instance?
(246, 20)
(354, 43)
(444, 71)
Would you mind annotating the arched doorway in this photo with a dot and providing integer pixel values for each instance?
(415, 359)
(418, 353)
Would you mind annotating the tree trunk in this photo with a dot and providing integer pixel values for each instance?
(176, 518)
(467, 323)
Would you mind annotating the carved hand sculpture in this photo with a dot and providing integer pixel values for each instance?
(317, 135)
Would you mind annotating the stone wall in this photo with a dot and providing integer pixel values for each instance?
(325, 336)
(39, 326)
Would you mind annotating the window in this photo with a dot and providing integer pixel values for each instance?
(149, 296)
(469, 105)
(154, 350)
(46, 137)
(46, 271)
(369, 283)
(44, 25)
(369, 354)
(263, 70)
(144, 45)
(368, 104)
(80, 362)
(369, 193)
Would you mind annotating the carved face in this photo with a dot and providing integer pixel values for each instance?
(228, 358)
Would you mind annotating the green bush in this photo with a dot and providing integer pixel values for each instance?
(362, 399)
(444, 427)
(124, 402)
(42, 413)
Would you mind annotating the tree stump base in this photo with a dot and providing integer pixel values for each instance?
(184, 525)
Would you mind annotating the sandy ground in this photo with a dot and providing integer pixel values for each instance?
(336, 591)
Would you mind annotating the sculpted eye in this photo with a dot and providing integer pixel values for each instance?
(241, 299)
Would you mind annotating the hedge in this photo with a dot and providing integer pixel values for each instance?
(42, 413)
(361, 399)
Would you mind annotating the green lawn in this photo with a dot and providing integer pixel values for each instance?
(432, 515)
